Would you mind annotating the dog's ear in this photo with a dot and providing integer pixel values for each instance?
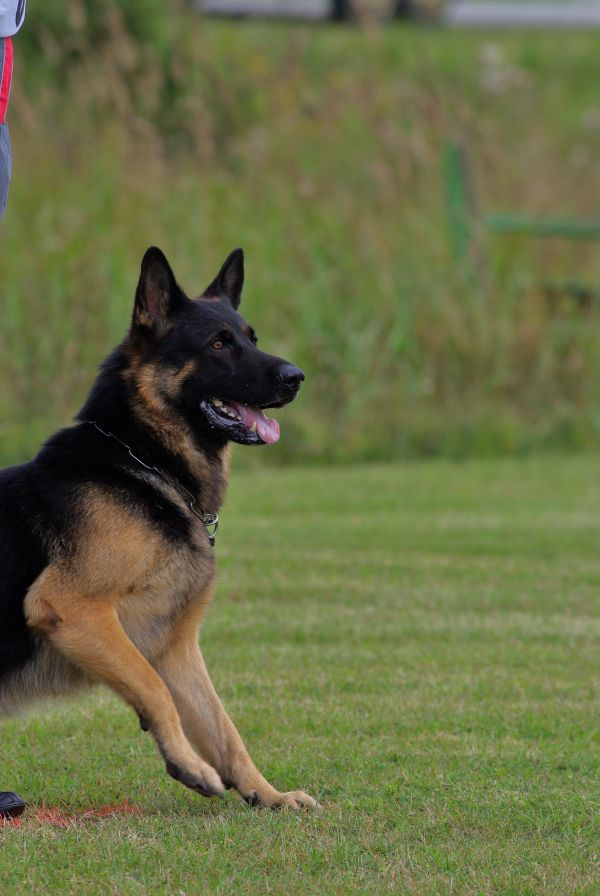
(229, 281)
(158, 298)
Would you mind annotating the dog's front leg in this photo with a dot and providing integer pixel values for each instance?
(87, 631)
(210, 729)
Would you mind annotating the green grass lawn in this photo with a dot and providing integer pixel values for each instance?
(416, 645)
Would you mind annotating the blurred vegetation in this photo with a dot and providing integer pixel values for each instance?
(319, 150)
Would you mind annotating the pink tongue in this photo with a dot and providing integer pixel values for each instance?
(267, 429)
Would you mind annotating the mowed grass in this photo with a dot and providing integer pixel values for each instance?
(415, 645)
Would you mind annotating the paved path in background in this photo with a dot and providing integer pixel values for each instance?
(309, 10)
(460, 13)
(519, 14)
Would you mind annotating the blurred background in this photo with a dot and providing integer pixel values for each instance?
(416, 186)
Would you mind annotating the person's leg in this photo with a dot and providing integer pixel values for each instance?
(11, 805)
(5, 165)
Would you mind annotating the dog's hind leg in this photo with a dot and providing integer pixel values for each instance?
(208, 726)
(87, 631)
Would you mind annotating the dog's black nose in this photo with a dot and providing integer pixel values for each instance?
(290, 376)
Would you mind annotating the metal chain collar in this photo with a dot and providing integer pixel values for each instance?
(210, 520)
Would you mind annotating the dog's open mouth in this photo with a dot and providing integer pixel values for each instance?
(242, 423)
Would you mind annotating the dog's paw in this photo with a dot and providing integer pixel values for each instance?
(293, 799)
(203, 779)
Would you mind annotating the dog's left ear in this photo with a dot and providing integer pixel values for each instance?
(229, 281)
(158, 298)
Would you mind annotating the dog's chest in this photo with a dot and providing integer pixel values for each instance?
(153, 608)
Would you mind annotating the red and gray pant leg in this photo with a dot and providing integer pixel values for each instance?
(6, 67)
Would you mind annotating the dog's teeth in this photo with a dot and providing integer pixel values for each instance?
(253, 427)
(225, 410)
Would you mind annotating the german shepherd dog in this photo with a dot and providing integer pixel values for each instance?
(106, 536)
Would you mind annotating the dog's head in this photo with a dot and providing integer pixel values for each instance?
(199, 358)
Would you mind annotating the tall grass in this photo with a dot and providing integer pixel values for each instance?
(319, 151)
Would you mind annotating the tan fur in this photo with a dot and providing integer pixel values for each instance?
(87, 630)
(144, 319)
(152, 384)
(123, 606)
(48, 674)
(150, 582)
(183, 374)
(204, 719)
(152, 409)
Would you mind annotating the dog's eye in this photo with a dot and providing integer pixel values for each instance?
(218, 344)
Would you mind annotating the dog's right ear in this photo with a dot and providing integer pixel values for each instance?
(158, 298)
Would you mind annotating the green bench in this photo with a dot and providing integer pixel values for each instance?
(465, 220)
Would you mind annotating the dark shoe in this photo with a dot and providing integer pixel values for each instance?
(11, 805)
